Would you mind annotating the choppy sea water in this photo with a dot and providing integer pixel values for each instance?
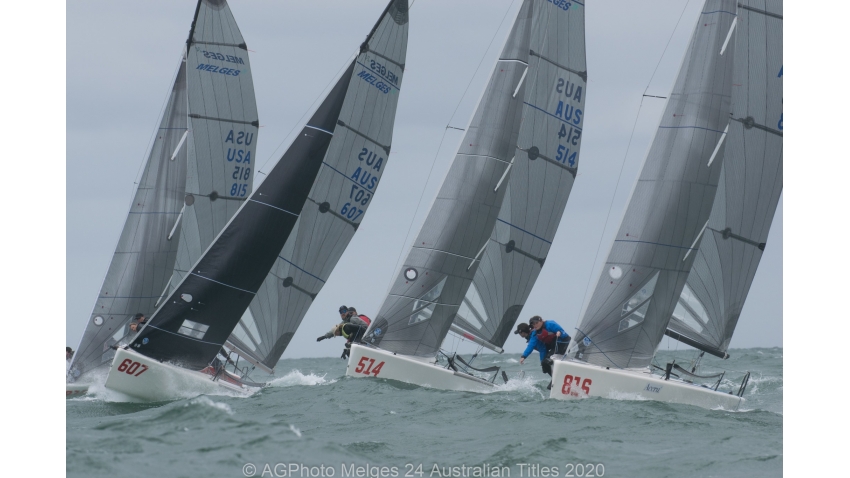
(312, 415)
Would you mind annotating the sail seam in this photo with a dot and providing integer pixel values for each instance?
(523, 230)
(690, 127)
(550, 114)
(274, 207)
(654, 244)
(300, 269)
(183, 336)
(581, 74)
(342, 123)
(222, 283)
(757, 10)
(251, 123)
(369, 50)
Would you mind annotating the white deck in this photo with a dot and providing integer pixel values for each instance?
(573, 380)
(155, 381)
(372, 362)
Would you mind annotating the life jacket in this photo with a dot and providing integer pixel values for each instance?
(545, 336)
(365, 319)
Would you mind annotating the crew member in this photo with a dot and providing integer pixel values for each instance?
(138, 321)
(551, 336)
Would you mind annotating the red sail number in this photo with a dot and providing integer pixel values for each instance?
(365, 366)
(130, 367)
(569, 381)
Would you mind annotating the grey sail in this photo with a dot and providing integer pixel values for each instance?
(205, 144)
(541, 175)
(649, 261)
(749, 189)
(340, 195)
(223, 124)
(416, 315)
(144, 257)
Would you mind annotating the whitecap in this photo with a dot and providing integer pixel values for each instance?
(295, 378)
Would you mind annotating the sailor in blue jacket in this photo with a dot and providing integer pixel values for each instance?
(548, 338)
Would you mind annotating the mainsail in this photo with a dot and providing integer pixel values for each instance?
(541, 174)
(200, 314)
(749, 189)
(223, 124)
(416, 315)
(652, 253)
(211, 107)
(340, 194)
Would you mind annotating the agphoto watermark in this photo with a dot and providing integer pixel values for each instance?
(422, 470)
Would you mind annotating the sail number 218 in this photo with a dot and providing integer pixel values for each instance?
(365, 364)
(570, 381)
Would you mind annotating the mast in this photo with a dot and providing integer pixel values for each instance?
(749, 189)
(653, 251)
(540, 177)
(340, 196)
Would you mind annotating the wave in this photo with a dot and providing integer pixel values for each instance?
(296, 378)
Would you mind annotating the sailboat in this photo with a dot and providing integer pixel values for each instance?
(490, 228)
(198, 172)
(184, 345)
(691, 239)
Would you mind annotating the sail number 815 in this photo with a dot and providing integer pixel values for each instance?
(365, 364)
(570, 382)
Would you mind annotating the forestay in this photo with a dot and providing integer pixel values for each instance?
(541, 174)
(144, 257)
(652, 253)
(223, 124)
(340, 195)
(749, 189)
(416, 315)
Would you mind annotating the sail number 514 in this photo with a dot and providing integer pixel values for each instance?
(570, 382)
(365, 364)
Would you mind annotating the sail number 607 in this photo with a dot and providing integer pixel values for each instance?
(365, 364)
(130, 367)
(570, 381)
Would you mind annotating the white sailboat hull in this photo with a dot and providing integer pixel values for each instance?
(75, 390)
(366, 361)
(572, 380)
(143, 378)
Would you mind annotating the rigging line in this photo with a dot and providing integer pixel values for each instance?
(666, 46)
(440, 146)
(625, 156)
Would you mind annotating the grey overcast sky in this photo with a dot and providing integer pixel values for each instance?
(122, 56)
